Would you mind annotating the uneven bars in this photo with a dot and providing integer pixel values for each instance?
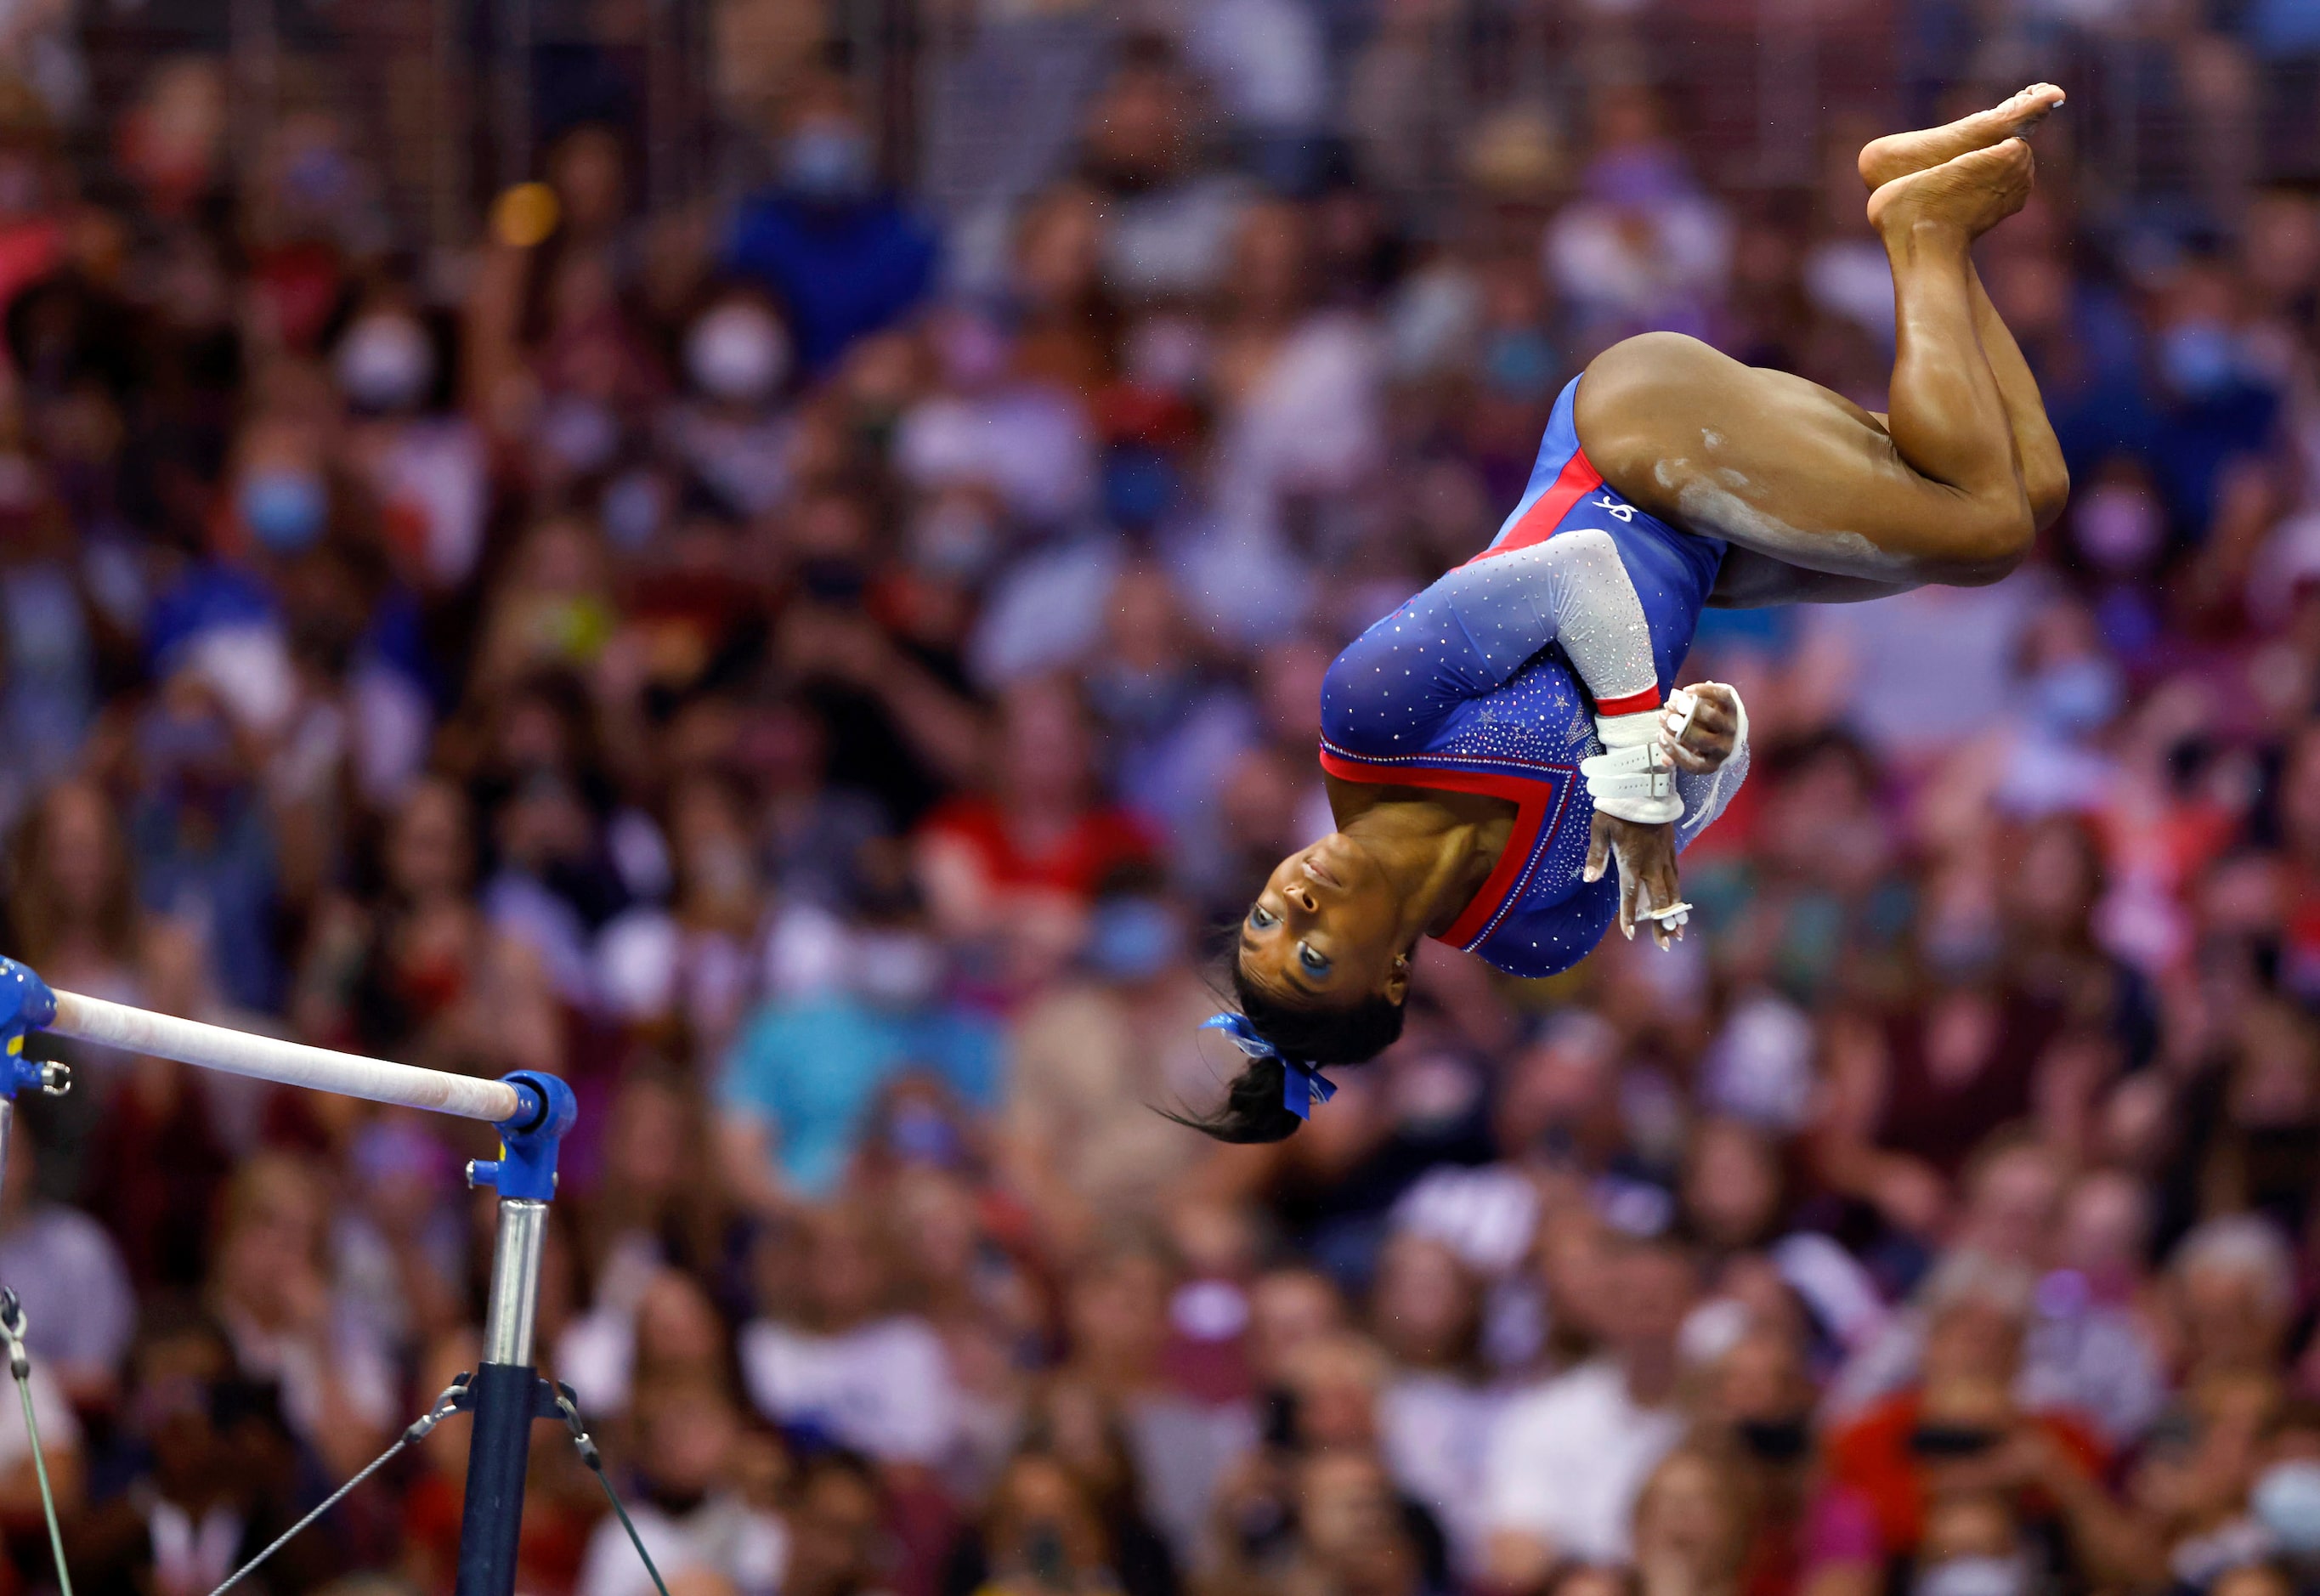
(293, 1064)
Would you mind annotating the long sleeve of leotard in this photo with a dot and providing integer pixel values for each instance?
(1475, 628)
(1705, 795)
(1571, 589)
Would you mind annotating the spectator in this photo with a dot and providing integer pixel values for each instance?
(270, 1289)
(800, 1083)
(2232, 1288)
(1756, 1446)
(828, 241)
(1025, 862)
(694, 1516)
(1958, 1434)
(1043, 1534)
(841, 1365)
(378, 975)
(1351, 1537)
(206, 1504)
(1434, 1412)
(1071, 1421)
(1568, 1456)
(72, 902)
(654, 1324)
(834, 1521)
(1691, 1524)
(199, 835)
(553, 353)
(61, 1260)
(1172, 221)
(1088, 1060)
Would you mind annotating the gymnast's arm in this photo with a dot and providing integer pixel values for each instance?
(1472, 630)
(1572, 589)
(1706, 751)
(1711, 760)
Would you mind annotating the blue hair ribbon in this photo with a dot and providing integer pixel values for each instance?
(1301, 1083)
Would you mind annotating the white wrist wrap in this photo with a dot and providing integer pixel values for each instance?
(1634, 780)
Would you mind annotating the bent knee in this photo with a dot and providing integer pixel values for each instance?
(2048, 489)
(1991, 543)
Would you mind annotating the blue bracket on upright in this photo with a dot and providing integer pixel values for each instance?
(26, 1005)
(529, 1139)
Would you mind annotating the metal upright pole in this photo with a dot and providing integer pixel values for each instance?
(506, 1394)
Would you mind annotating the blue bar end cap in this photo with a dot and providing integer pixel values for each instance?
(528, 1139)
(26, 1005)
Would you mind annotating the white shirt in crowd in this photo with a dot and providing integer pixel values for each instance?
(1433, 1431)
(81, 1308)
(59, 1430)
(722, 1535)
(883, 1388)
(1569, 1458)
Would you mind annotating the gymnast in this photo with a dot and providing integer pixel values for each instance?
(1504, 773)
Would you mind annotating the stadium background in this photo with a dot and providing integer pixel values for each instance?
(775, 562)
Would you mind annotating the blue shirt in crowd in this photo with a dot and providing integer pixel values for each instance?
(813, 1068)
(840, 270)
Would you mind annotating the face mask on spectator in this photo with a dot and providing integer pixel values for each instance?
(1142, 701)
(631, 510)
(319, 177)
(834, 579)
(2287, 1502)
(1139, 486)
(738, 353)
(829, 161)
(1773, 1441)
(2201, 359)
(385, 363)
(1519, 363)
(1132, 939)
(921, 1133)
(2077, 695)
(581, 433)
(1974, 1576)
(2118, 527)
(1961, 944)
(954, 539)
(896, 969)
(284, 508)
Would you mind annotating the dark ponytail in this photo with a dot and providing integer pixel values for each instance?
(1256, 1110)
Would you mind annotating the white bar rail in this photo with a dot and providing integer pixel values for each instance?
(269, 1058)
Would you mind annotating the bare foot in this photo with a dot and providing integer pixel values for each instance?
(1897, 155)
(1972, 193)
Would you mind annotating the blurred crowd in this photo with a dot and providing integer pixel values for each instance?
(817, 672)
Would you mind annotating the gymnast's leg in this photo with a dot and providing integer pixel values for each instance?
(2045, 479)
(1933, 492)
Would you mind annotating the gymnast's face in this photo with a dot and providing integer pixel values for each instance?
(1325, 929)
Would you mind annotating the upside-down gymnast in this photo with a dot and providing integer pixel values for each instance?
(1503, 770)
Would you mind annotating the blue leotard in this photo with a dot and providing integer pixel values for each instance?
(1464, 689)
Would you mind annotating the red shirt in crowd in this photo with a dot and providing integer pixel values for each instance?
(1873, 1457)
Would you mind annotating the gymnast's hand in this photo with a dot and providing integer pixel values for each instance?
(1647, 878)
(1706, 741)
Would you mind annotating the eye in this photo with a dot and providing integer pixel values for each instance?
(1261, 919)
(1315, 964)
